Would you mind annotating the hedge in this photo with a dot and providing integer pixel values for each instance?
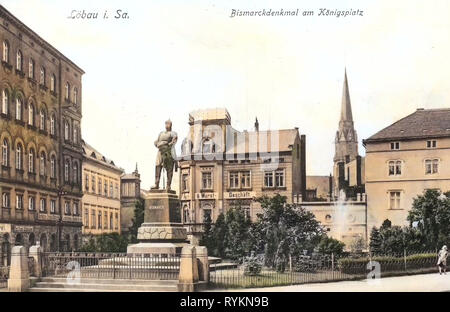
(388, 264)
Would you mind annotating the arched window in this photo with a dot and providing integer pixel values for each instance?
(5, 102)
(31, 114)
(52, 124)
(5, 153)
(53, 167)
(67, 91)
(42, 164)
(53, 83)
(19, 156)
(5, 56)
(31, 204)
(31, 161)
(19, 60)
(75, 134)
(42, 76)
(19, 108)
(75, 173)
(31, 68)
(75, 96)
(66, 170)
(42, 119)
(66, 130)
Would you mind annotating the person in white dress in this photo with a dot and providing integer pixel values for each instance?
(442, 260)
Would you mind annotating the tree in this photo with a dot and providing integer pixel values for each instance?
(138, 219)
(357, 244)
(108, 242)
(376, 241)
(287, 230)
(207, 235)
(219, 234)
(237, 235)
(386, 224)
(329, 245)
(430, 214)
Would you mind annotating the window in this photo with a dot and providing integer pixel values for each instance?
(207, 213)
(99, 219)
(42, 76)
(395, 167)
(186, 214)
(66, 130)
(117, 221)
(75, 173)
(93, 225)
(31, 161)
(75, 96)
(75, 209)
(19, 157)
(43, 205)
(31, 68)
(66, 171)
(93, 184)
(395, 145)
(5, 56)
(53, 83)
(431, 144)
(19, 61)
(431, 166)
(185, 183)
(53, 167)
(86, 217)
(268, 179)
(67, 91)
(394, 200)
(111, 221)
(42, 120)
(31, 114)
(42, 164)
(105, 188)
(206, 180)
(234, 179)
(6, 202)
(5, 102)
(18, 108)
(105, 219)
(208, 146)
(111, 191)
(31, 203)
(19, 201)
(5, 153)
(67, 208)
(245, 179)
(117, 191)
(86, 182)
(279, 178)
(75, 135)
(53, 206)
(52, 124)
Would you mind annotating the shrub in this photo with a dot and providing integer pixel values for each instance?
(252, 266)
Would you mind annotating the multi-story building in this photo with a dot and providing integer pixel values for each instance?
(130, 194)
(40, 116)
(101, 199)
(221, 168)
(405, 159)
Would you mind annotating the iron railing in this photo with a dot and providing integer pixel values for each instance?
(110, 265)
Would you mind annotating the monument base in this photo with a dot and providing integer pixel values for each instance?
(167, 248)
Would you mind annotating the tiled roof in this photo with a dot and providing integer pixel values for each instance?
(91, 153)
(423, 123)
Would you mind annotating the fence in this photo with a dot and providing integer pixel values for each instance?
(111, 265)
(323, 268)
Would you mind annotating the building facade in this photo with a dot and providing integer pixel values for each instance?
(405, 159)
(40, 117)
(101, 199)
(221, 168)
(130, 194)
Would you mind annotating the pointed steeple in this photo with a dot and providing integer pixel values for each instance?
(346, 108)
(256, 124)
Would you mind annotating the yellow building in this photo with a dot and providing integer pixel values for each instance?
(101, 199)
(405, 159)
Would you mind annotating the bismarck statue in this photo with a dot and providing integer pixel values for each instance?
(162, 231)
(166, 157)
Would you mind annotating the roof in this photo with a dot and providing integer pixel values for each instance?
(91, 153)
(423, 123)
(210, 114)
(346, 106)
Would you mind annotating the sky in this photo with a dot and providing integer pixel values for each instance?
(170, 58)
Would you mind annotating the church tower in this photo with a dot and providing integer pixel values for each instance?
(346, 141)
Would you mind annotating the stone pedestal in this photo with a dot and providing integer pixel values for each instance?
(19, 278)
(162, 231)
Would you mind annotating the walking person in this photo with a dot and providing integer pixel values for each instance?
(442, 260)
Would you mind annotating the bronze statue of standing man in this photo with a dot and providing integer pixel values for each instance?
(166, 157)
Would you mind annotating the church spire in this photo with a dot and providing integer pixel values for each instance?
(346, 108)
